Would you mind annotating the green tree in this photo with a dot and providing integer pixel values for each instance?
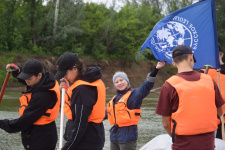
(97, 25)
(68, 26)
(220, 13)
(133, 25)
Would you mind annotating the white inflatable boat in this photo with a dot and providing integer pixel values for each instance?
(164, 142)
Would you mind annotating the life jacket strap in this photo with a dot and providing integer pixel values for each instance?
(137, 114)
(68, 96)
(47, 114)
(173, 131)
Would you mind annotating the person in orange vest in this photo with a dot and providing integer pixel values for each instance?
(213, 74)
(84, 103)
(39, 107)
(188, 107)
(124, 109)
(222, 81)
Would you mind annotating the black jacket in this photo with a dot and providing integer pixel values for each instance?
(81, 134)
(36, 136)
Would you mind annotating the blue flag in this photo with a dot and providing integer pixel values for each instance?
(195, 26)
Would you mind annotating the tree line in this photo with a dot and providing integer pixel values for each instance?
(89, 29)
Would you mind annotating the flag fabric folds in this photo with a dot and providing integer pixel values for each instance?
(195, 26)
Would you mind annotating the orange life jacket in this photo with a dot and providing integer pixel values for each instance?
(50, 115)
(98, 112)
(120, 115)
(213, 74)
(197, 112)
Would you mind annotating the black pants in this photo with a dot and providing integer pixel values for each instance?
(123, 146)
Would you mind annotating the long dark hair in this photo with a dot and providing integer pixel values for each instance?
(81, 68)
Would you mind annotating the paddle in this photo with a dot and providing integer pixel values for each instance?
(4, 86)
(10, 67)
(62, 119)
(207, 68)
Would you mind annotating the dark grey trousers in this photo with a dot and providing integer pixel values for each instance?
(123, 146)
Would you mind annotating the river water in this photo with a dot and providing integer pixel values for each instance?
(149, 126)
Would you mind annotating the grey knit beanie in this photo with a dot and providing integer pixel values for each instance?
(122, 75)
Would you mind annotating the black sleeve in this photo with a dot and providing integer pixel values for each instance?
(15, 74)
(40, 102)
(85, 98)
(154, 72)
(222, 71)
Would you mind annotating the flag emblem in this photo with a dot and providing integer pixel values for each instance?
(179, 31)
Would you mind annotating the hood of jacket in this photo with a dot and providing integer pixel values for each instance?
(47, 82)
(92, 74)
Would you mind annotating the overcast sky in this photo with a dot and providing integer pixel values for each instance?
(108, 3)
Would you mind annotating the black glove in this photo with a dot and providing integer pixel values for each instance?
(14, 67)
(154, 72)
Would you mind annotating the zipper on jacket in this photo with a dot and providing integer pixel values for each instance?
(114, 112)
(116, 126)
(114, 107)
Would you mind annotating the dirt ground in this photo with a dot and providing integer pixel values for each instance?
(136, 71)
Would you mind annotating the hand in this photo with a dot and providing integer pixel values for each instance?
(160, 64)
(12, 67)
(59, 149)
(64, 84)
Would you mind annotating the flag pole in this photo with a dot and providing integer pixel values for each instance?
(221, 117)
(62, 119)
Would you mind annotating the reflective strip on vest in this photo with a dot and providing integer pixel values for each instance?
(98, 112)
(50, 115)
(120, 115)
(197, 112)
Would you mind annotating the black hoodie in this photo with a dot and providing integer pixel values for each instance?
(42, 99)
(81, 134)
